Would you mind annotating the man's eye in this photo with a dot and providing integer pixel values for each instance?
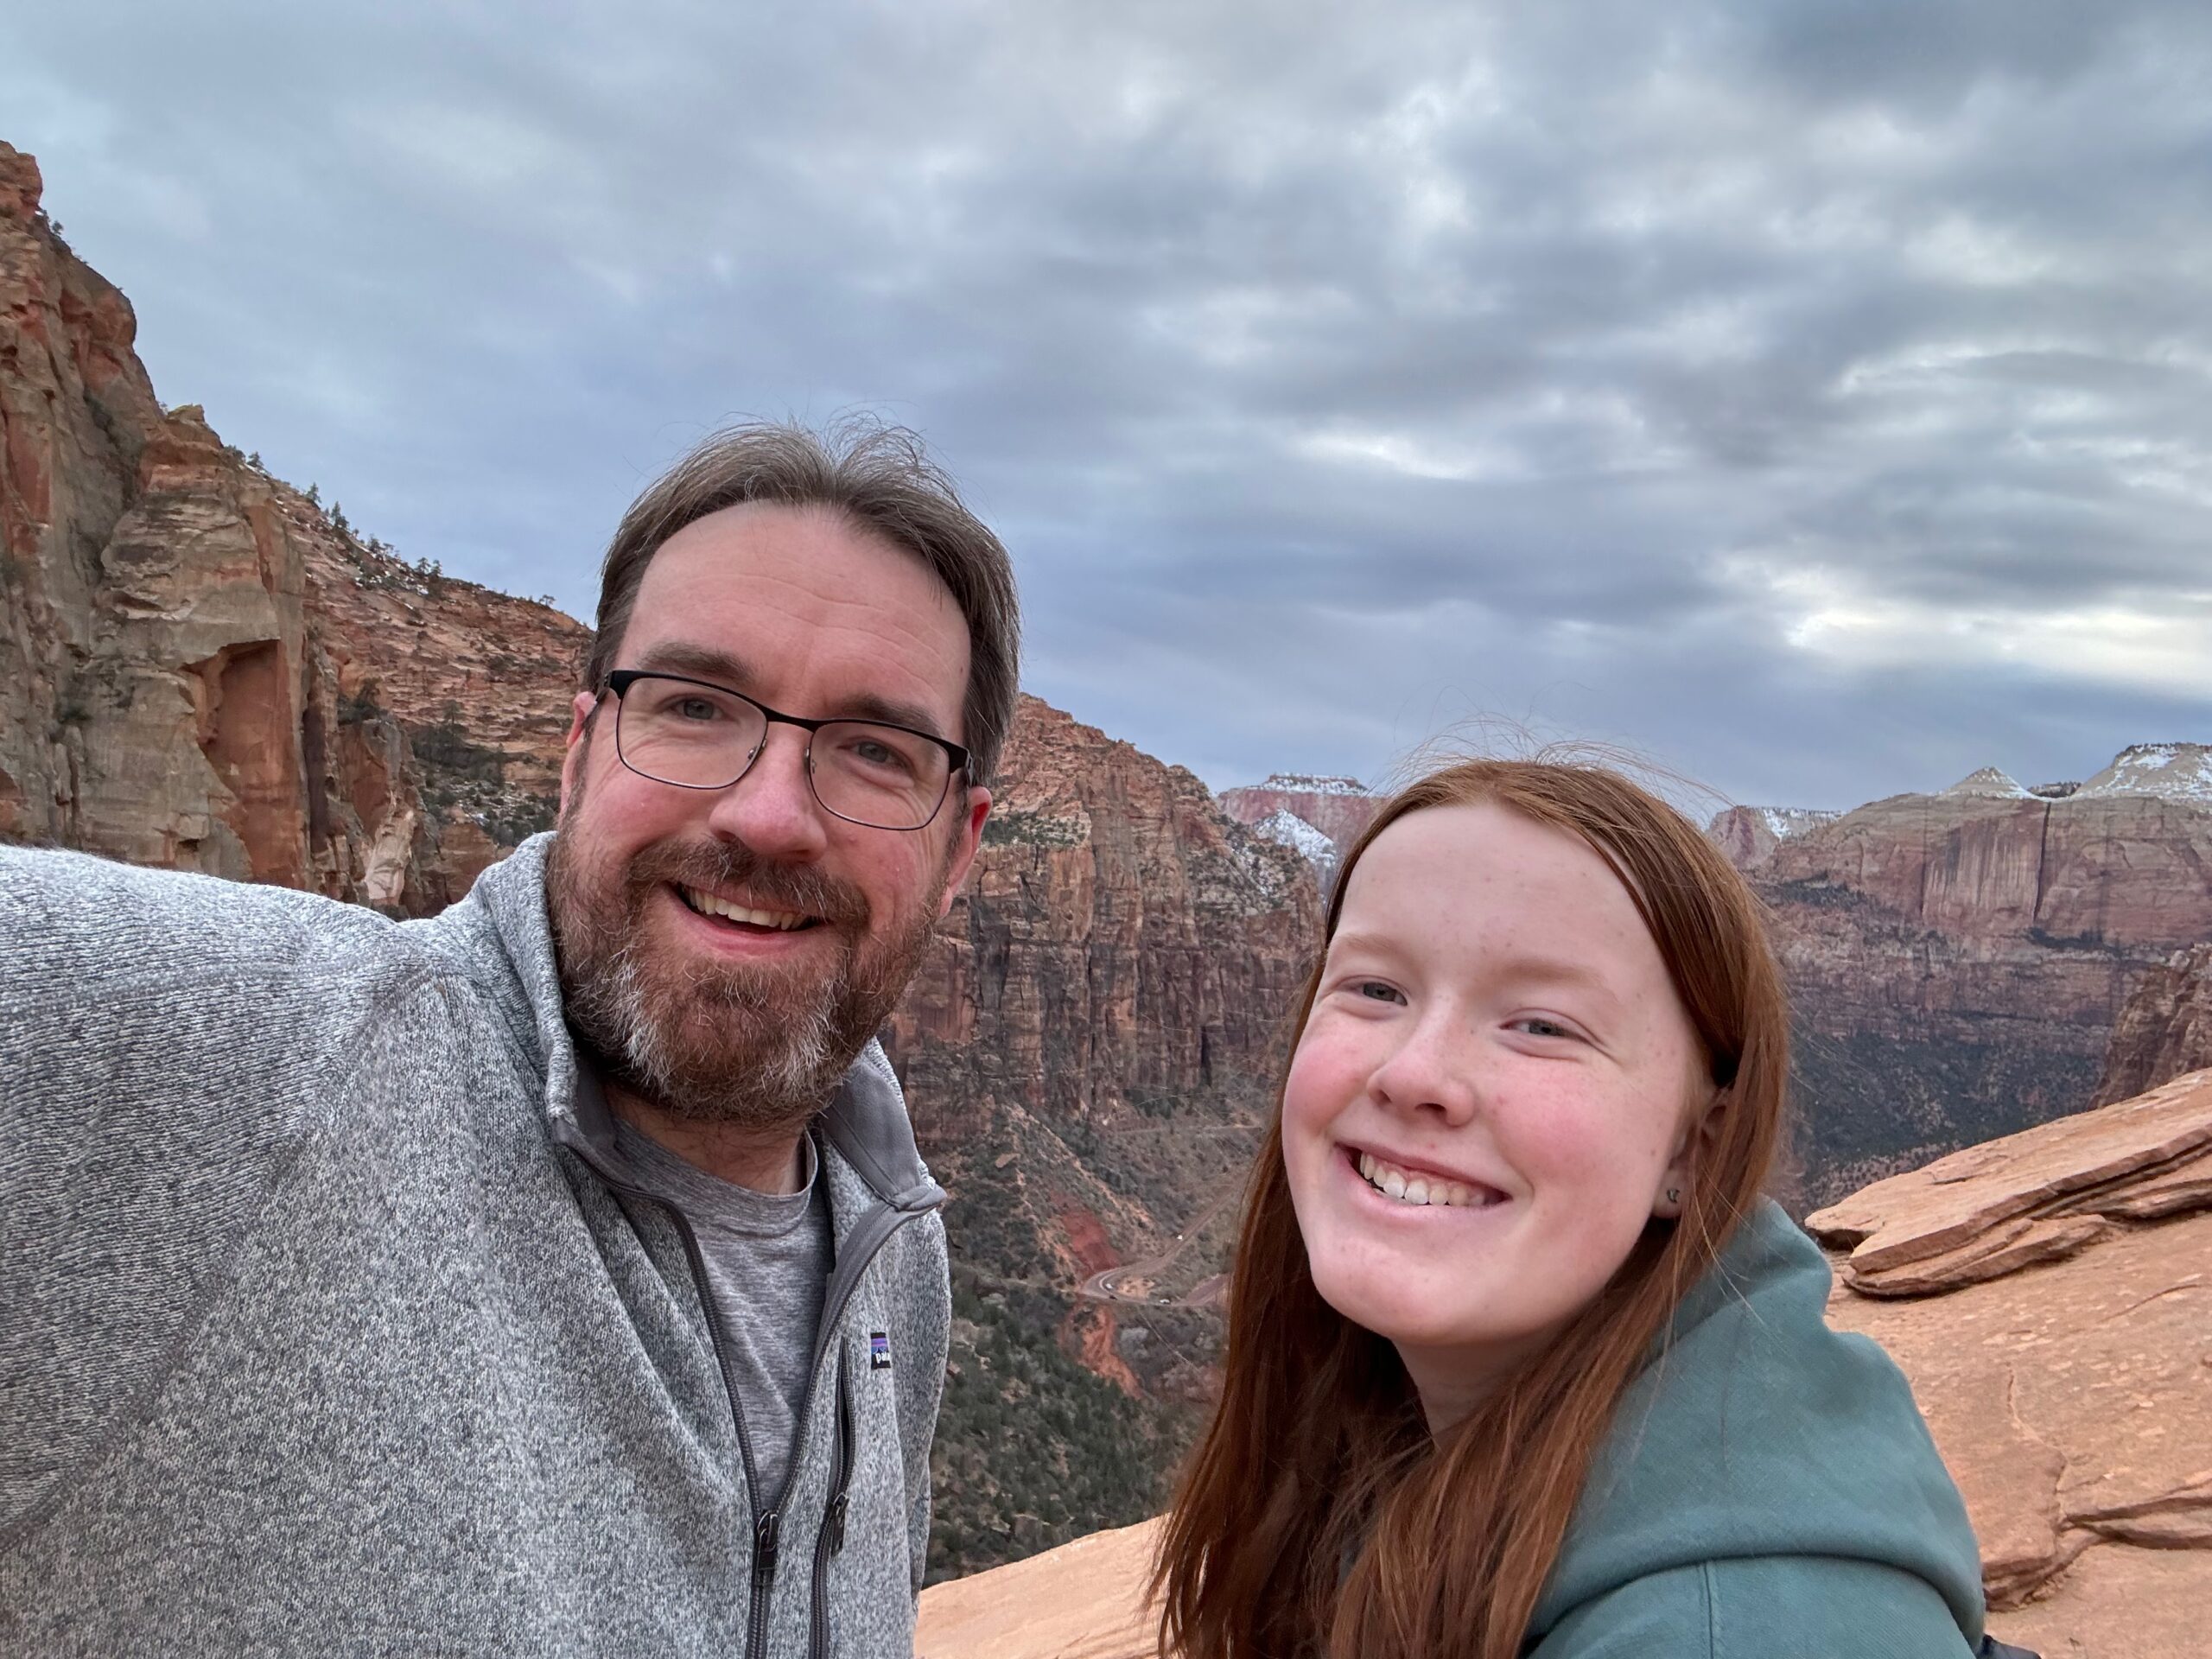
(696, 708)
(878, 754)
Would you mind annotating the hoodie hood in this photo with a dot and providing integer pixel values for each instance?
(504, 919)
(1758, 1432)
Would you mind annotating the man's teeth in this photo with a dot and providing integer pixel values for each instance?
(781, 920)
(1409, 1188)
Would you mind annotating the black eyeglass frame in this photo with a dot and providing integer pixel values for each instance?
(620, 680)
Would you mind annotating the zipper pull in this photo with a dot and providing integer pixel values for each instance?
(764, 1533)
(836, 1523)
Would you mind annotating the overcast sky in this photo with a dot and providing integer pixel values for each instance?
(1812, 397)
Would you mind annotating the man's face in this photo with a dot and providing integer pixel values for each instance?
(751, 1022)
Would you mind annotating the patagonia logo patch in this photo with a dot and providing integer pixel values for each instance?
(879, 1351)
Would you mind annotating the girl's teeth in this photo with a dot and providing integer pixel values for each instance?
(1421, 1189)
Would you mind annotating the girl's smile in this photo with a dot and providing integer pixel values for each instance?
(1492, 1097)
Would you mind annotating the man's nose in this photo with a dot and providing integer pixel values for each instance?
(1432, 1073)
(772, 808)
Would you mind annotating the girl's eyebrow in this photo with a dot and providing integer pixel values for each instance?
(1522, 968)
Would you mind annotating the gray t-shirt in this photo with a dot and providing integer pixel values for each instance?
(768, 1257)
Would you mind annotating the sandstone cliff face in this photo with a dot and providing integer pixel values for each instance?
(2165, 1029)
(1339, 807)
(1088, 1052)
(1957, 960)
(1121, 939)
(1749, 835)
(184, 640)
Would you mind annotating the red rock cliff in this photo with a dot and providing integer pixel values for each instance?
(192, 653)
(1339, 807)
(2165, 1028)
(1958, 959)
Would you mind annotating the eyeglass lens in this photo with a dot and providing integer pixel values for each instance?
(701, 738)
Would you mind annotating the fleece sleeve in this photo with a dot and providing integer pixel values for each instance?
(153, 1070)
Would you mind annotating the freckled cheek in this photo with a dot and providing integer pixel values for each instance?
(1326, 1074)
(1565, 1137)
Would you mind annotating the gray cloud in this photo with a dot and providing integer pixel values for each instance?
(1767, 388)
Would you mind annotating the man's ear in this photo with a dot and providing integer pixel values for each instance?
(572, 763)
(967, 841)
(1691, 1147)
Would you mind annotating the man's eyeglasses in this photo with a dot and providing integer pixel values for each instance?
(696, 735)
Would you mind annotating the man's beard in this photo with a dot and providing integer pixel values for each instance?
(754, 1046)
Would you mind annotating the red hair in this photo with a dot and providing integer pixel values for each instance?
(1317, 1515)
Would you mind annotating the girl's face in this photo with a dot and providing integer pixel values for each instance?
(1494, 1093)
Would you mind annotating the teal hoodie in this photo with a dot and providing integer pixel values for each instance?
(1768, 1490)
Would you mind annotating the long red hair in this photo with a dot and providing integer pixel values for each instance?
(1317, 1516)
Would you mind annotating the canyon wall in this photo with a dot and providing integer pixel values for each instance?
(1339, 807)
(1957, 961)
(2164, 1028)
(1089, 1051)
(192, 651)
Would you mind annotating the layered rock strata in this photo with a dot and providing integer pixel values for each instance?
(196, 662)
(1957, 961)
(2038, 1196)
(2165, 1029)
(1088, 1049)
(1749, 835)
(2048, 1297)
(1339, 807)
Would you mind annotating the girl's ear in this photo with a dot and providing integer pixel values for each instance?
(1695, 1140)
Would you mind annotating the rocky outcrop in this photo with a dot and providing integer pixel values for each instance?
(1339, 807)
(1318, 818)
(1957, 961)
(2047, 1295)
(1122, 940)
(191, 651)
(2165, 1029)
(2044, 1194)
(1749, 835)
(1083, 1600)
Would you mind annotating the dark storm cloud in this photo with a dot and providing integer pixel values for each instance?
(1812, 396)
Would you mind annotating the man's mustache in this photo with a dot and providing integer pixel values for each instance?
(727, 864)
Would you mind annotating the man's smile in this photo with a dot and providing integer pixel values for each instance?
(758, 916)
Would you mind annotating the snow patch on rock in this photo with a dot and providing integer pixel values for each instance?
(2176, 771)
(1286, 828)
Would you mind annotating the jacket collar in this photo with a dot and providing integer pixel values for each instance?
(503, 937)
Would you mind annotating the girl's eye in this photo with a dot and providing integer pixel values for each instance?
(1536, 1026)
(1375, 990)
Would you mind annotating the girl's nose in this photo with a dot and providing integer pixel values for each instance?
(1432, 1072)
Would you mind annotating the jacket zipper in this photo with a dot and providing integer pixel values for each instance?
(868, 1234)
(831, 1538)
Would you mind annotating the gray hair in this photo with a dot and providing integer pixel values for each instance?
(879, 477)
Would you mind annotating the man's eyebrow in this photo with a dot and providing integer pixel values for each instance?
(710, 662)
(680, 657)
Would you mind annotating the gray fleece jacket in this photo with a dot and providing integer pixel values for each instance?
(326, 1326)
